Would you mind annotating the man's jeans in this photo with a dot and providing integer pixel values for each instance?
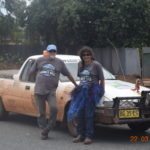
(41, 105)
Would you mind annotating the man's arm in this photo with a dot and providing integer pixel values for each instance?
(72, 80)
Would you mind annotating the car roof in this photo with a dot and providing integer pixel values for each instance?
(61, 56)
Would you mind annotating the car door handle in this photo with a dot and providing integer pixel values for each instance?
(27, 87)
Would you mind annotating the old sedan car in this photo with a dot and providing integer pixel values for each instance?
(121, 104)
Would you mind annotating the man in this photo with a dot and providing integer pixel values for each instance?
(48, 70)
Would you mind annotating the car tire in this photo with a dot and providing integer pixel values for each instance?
(139, 127)
(3, 112)
(72, 127)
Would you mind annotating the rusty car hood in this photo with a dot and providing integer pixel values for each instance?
(118, 88)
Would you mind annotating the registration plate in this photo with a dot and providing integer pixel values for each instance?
(129, 113)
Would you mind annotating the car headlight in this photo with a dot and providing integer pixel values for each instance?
(105, 102)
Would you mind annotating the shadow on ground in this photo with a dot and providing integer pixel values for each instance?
(103, 133)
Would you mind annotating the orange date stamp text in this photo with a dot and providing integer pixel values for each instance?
(142, 138)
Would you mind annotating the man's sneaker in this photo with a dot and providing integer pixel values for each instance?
(87, 141)
(44, 134)
(78, 139)
(44, 137)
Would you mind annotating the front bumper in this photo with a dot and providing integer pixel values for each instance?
(110, 115)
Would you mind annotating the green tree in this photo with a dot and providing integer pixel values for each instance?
(94, 22)
(14, 18)
(6, 28)
(17, 8)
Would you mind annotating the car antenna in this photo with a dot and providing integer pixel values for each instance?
(116, 50)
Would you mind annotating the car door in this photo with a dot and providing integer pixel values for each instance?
(18, 93)
(27, 84)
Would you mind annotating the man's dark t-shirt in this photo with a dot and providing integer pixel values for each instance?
(48, 72)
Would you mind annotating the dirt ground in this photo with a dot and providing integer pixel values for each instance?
(4, 66)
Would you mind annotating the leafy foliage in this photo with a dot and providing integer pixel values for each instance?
(92, 22)
(71, 23)
(13, 19)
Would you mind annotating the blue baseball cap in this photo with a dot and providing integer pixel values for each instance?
(51, 47)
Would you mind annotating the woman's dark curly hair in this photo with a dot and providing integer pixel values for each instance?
(86, 49)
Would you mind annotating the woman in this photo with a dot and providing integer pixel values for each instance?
(86, 95)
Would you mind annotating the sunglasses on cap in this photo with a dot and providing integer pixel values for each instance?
(52, 51)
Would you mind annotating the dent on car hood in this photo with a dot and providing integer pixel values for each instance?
(117, 88)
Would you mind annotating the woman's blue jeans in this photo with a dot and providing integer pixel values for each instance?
(85, 119)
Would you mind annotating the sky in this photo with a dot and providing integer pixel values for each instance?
(28, 2)
(3, 10)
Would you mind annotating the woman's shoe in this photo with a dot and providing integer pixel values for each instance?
(87, 141)
(78, 139)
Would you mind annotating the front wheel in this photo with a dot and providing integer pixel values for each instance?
(139, 127)
(3, 112)
(72, 127)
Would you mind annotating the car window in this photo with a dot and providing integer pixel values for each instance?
(108, 75)
(73, 67)
(25, 73)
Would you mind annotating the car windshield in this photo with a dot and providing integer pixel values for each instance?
(73, 67)
(108, 75)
